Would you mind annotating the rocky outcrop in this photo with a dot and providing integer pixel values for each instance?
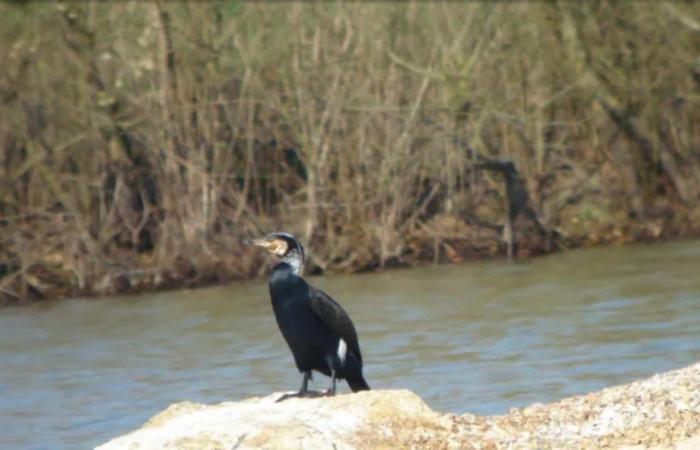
(662, 412)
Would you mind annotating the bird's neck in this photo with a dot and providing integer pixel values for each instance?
(292, 263)
(295, 262)
(283, 278)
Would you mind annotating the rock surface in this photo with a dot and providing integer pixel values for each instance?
(662, 412)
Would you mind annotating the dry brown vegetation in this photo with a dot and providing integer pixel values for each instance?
(139, 142)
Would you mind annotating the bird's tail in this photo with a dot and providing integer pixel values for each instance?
(353, 373)
(358, 383)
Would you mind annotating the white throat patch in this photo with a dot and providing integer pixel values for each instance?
(342, 350)
(294, 260)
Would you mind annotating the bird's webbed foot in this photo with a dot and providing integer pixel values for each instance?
(292, 395)
(300, 394)
(303, 390)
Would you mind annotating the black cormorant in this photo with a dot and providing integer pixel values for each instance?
(317, 329)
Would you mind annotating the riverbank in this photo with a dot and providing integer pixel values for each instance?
(52, 277)
(662, 412)
(442, 241)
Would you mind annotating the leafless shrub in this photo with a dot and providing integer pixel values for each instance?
(140, 142)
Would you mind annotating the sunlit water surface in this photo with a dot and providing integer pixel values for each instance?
(478, 337)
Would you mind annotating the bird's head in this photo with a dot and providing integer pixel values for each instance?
(284, 245)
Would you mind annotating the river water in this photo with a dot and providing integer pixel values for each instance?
(478, 337)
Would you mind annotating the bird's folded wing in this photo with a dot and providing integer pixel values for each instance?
(335, 317)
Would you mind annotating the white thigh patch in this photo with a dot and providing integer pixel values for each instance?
(342, 350)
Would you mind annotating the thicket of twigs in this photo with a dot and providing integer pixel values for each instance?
(140, 142)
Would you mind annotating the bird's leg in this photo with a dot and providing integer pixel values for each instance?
(331, 389)
(303, 390)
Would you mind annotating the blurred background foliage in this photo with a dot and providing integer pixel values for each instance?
(141, 141)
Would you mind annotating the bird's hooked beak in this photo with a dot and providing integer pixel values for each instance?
(260, 242)
(276, 246)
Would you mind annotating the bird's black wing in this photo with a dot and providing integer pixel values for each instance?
(335, 317)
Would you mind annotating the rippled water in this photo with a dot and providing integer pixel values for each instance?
(479, 337)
